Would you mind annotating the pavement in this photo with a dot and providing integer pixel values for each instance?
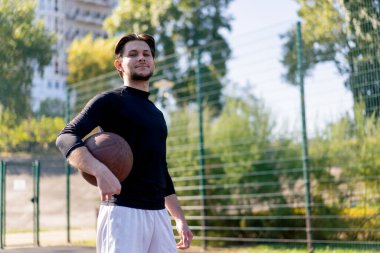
(73, 249)
(51, 238)
(77, 249)
(67, 249)
(49, 241)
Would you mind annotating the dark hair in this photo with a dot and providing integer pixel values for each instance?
(134, 36)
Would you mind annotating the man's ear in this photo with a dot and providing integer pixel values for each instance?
(117, 64)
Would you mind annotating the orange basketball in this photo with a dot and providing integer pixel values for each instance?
(113, 151)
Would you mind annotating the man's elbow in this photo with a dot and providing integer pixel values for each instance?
(60, 143)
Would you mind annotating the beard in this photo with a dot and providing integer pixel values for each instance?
(141, 77)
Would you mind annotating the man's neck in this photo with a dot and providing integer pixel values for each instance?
(140, 85)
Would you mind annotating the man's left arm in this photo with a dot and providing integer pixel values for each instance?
(174, 208)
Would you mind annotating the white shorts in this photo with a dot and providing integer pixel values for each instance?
(123, 230)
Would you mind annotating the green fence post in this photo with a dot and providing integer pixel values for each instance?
(2, 203)
(4, 190)
(201, 151)
(36, 202)
(305, 152)
(68, 169)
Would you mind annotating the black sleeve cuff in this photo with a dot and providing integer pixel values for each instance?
(169, 185)
(77, 145)
(66, 143)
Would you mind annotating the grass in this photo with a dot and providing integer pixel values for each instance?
(87, 243)
(294, 249)
(318, 249)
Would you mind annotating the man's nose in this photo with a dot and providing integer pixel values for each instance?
(141, 57)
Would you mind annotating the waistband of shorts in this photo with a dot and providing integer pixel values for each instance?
(144, 206)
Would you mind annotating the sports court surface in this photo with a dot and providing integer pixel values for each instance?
(52, 250)
(64, 250)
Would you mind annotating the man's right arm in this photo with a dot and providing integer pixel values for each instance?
(70, 143)
(83, 160)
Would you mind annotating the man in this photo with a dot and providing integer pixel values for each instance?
(132, 217)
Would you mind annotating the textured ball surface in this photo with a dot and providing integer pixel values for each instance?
(113, 151)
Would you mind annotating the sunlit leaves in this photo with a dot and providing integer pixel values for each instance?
(25, 46)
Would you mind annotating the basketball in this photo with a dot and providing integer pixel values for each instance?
(113, 151)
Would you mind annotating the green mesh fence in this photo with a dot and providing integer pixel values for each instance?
(244, 185)
(253, 190)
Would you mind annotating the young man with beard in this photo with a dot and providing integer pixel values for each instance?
(132, 216)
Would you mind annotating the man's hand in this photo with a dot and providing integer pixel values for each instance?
(83, 160)
(185, 235)
(172, 204)
(108, 184)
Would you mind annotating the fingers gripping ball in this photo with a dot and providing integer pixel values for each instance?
(113, 151)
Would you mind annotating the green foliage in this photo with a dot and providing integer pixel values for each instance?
(251, 172)
(52, 107)
(239, 136)
(89, 57)
(172, 23)
(301, 248)
(183, 155)
(137, 16)
(25, 46)
(363, 56)
(321, 31)
(28, 135)
(344, 171)
(245, 168)
(183, 125)
(343, 32)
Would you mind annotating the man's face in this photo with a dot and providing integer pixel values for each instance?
(137, 61)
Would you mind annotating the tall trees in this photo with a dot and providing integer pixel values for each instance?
(346, 33)
(363, 18)
(179, 27)
(25, 45)
(89, 57)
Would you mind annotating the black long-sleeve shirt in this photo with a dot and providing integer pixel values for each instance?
(129, 113)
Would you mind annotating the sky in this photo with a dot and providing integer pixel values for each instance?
(255, 66)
